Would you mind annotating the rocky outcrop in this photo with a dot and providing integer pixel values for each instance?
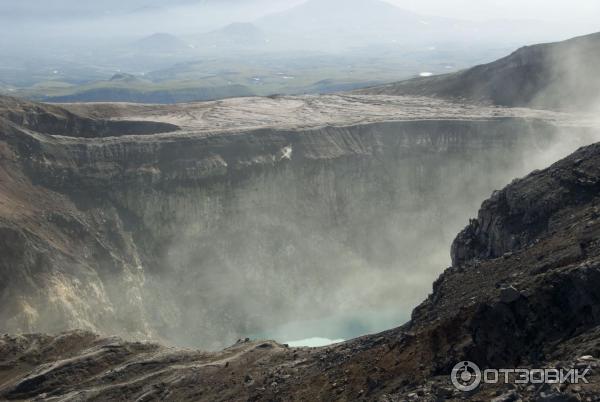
(518, 215)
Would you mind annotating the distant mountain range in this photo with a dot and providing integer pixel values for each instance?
(325, 25)
(317, 46)
(355, 22)
(562, 75)
(358, 22)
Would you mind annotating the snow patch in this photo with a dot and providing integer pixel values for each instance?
(286, 153)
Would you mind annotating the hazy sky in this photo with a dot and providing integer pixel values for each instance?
(74, 20)
(551, 10)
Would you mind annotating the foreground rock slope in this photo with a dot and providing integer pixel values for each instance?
(537, 237)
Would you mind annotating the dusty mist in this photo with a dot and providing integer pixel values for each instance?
(563, 76)
(334, 247)
(198, 239)
(344, 232)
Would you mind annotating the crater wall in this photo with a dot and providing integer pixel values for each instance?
(202, 240)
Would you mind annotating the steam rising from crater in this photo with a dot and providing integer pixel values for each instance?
(335, 248)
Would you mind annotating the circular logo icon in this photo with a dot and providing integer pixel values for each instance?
(466, 376)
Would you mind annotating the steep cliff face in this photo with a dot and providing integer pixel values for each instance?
(59, 259)
(517, 216)
(200, 236)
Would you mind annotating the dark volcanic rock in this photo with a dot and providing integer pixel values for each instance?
(529, 208)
